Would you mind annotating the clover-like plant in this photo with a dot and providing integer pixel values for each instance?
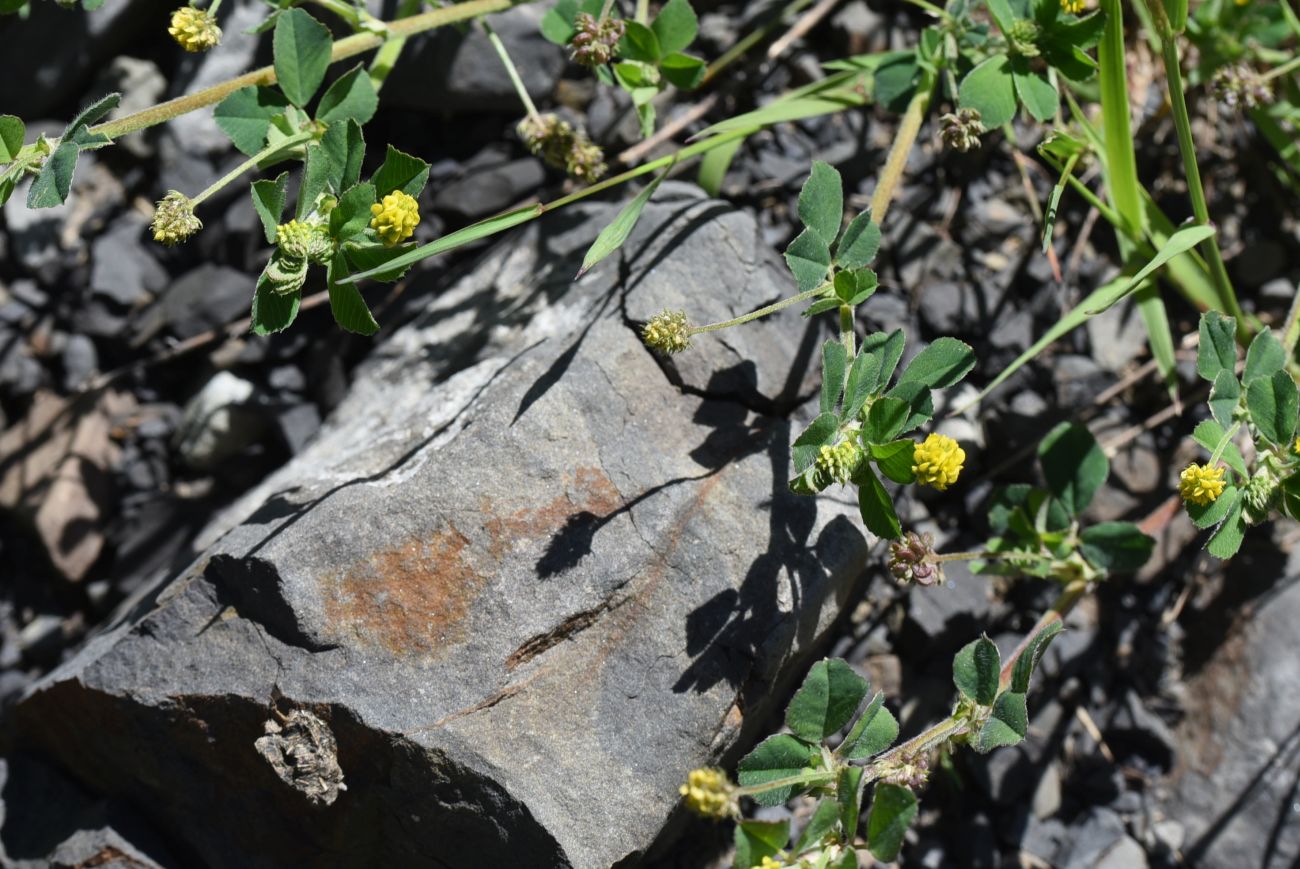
(1237, 488)
(1040, 39)
(811, 758)
(641, 55)
(1040, 532)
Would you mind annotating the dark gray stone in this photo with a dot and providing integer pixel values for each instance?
(458, 71)
(80, 361)
(520, 567)
(1234, 785)
(490, 189)
(1099, 832)
(124, 270)
(204, 298)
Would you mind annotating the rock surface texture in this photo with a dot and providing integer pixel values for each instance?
(1235, 786)
(527, 577)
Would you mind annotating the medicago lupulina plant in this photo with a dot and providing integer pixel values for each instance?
(986, 62)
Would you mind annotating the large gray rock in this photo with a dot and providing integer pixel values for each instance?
(526, 577)
(1234, 786)
(457, 70)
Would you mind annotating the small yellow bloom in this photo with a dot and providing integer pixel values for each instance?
(769, 863)
(1295, 447)
(667, 332)
(1201, 484)
(1073, 7)
(174, 220)
(937, 461)
(194, 29)
(395, 217)
(708, 792)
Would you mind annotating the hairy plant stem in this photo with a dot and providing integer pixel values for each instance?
(643, 11)
(908, 129)
(763, 312)
(847, 337)
(820, 776)
(252, 162)
(344, 48)
(511, 71)
(940, 733)
(386, 57)
(1187, 147)
(1292, 64)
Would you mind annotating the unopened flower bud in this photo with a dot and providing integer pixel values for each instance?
(1023, 36)
(667, 332)
(194, 29)
(174, 220)
(1261, 496)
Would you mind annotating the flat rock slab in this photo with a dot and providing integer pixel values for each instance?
(1234, 788)
(526, 578)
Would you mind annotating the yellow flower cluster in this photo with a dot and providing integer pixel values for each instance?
(395, 217)
(1073, 7)
(769, 863)
(937, 461)
(1201, 484)
(174, 220)
(708, 792)
(667, 332)
(194, 29)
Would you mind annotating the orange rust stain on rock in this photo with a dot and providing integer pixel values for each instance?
(411, 599)
(589, 492)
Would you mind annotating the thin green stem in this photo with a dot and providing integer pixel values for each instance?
(749, 40)
(213, 7)
(252, 162)
(1275, 72)
(908, 129)
(606, 9)
(1291, 331)
(386, 57)
(847, 336)
(511, 71)
(1187, 146)
(804, 778)
(346, 11)
(762, 312)
(1223, 443)
(643, 11)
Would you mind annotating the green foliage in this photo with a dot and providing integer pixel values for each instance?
(892, 811)
(1262, 406)
(302, 55)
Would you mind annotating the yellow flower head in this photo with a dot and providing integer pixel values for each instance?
(194, 29)
(667, 332)
(395, 217)
(769, 863)
(1201, 484)
(937, 461)
(174, 220)
(1073, 7)
(709, 793)
(1295, 447)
